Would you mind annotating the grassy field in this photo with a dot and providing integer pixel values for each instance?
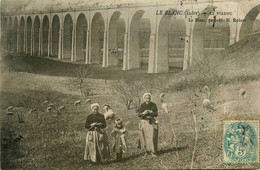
(55, 140)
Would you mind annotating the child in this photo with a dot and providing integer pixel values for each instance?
(119, 133)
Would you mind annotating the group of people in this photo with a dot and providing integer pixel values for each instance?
(97, 146)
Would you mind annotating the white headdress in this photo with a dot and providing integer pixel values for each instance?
(94, 104)
(145, 94)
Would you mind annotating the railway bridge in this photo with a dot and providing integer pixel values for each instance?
(156, 35)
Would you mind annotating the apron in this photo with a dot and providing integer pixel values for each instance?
(148, 133)
(96, 148)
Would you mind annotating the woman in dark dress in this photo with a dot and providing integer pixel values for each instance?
(148, 125)
(96, 148)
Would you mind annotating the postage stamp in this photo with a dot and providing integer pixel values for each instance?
(241, 141)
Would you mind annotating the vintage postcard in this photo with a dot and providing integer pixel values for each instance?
(130, 84)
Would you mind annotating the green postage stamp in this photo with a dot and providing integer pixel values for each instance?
(241, 141)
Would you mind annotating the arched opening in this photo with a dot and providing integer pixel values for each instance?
(209, 37)
(36, 36)
(97, 39)
(216, 36)
(116, 40)
(81, 37)
(5, 32)
(256, 25)
(45, 35)
(21, 36)
(252, 23)
(67, 37)
(177, 35)
(55, 36)
(2, 33)
(171, 43)
(15, 34)
(29, 34)
(10, 35)
(140, 30)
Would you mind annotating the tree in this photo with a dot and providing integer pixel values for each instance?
(133, 89)
(79, 74)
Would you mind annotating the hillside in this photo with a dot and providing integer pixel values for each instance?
(242, 57)
(237, 63)
(56, 140)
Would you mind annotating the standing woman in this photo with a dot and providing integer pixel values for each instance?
(148, 125)
(96, 148)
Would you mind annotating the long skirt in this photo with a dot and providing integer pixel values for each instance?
(96, 149)
(148, 136)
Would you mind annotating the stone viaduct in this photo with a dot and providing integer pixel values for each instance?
(108, 34)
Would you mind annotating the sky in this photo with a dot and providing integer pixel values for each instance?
(9, 4)
(41, 4)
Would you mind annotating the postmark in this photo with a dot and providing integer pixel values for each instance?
(241, 141)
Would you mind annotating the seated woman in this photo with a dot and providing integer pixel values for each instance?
(96, 148)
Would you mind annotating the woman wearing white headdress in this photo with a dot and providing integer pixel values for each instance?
(148, 125)
(96, 148)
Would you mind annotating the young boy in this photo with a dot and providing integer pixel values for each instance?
(119, 133)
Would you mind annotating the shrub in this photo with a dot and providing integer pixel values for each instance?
(79, 74)
(133, 89)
